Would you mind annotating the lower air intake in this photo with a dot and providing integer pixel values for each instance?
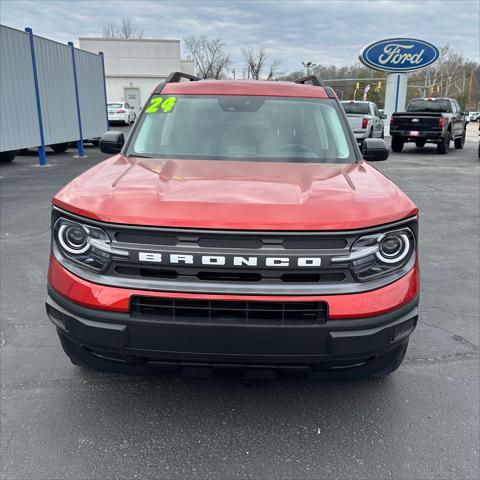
(228, 311)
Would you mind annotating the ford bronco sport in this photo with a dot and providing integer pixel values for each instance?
(236, 232)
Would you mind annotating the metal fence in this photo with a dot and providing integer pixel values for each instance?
(50, 93)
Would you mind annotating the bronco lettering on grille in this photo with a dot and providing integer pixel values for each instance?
(228, 260)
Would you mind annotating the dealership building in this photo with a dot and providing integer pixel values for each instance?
(134, 67)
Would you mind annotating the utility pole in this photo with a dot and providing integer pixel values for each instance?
(308, 66)
(469, 96)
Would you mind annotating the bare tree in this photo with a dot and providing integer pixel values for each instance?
(125, 30)
(256, 63)
(273, 69)
(210, 57)
(255, 60)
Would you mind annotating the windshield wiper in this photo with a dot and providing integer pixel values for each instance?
(139, 155)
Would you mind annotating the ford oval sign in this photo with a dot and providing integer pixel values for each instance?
(399, 54)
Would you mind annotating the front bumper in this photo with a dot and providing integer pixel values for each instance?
(104, 339)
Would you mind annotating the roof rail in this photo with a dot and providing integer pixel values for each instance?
(316, 81)
(175, 77)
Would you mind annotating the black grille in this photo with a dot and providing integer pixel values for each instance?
(228, 311)
(224, 277)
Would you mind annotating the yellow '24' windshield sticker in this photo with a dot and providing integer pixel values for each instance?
(160, 104)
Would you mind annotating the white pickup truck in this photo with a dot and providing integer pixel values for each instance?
(364, 118)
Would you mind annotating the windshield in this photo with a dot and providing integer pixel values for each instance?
(115, 105)
(433, 105)
(242, 128)
(356, 107)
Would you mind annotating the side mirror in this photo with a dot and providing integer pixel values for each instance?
(112, 142)
(374, 150)
(383, 116)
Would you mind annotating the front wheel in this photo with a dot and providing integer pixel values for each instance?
(460, 142)
(444, 146)
(397, 144)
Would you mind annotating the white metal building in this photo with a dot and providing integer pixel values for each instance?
(50, 94)
(133, 68)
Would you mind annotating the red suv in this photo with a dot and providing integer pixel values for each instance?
(236, 232)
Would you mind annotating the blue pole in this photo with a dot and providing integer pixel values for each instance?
(80, 142)
(42, 156)
(104, 86)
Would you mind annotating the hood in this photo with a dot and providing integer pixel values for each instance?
(235, 195)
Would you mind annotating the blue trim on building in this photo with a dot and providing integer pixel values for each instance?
(104, 87)
(75, 81)
(42, 155)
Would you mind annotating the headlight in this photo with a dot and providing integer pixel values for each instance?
(85, 245)
(379, 254)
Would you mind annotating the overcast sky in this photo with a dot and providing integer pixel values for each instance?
(323, 31)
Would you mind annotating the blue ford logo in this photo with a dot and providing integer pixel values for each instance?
(399, 54)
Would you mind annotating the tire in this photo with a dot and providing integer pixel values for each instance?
(444, 146)
(420, 143)
(460, 142)
(6, 157)
(382, 135)
(95, 143)
(394, 363)
(397, 144)
(60, 147)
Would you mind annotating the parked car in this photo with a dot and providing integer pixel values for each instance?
(238, 232)
(365, 119)
(121, 112)
(429, 120)
(472, 116)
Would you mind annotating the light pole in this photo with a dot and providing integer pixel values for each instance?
(308, 66)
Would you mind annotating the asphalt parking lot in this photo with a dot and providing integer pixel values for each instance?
(63, 422)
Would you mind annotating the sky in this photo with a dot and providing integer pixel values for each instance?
(321, 31)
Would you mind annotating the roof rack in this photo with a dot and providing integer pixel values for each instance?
(316, 81)
(175, 77)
